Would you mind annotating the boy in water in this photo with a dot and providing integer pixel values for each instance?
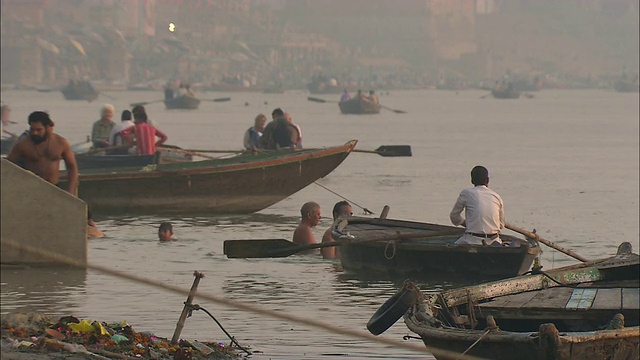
(165, 232)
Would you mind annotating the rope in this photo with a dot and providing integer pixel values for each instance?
(197, 307)
(58, 258)
(474, 344)
(386, 248)
(366, 211)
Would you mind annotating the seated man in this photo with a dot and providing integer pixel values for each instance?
(145, 135)
(484, 211)
(102, 128)
(252, 136)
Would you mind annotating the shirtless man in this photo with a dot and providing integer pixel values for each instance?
(341, 210)
(311, 215)
(42, 151)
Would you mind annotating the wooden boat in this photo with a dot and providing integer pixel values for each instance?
(182, 102)
(242, 184)
(95, 161)
(585, 311)
(359, 105)
(79, 91)
(505, 93)
(427, 251)
(626, 86)
(231, 87)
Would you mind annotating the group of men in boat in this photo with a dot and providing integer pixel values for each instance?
(483, 219)
(370, 98)
(176, 89)
(280, 133)
(116, 139)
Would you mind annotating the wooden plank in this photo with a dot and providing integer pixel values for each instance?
(514, 301)
(608, 299)
(552, 298)
(581, 299)
(630, 299)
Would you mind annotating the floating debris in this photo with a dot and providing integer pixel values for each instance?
(38, 334)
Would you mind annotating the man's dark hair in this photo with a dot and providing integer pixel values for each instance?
(277, 112)
(337, 206)
(141, 116)
(40, 117)
(479, 175)
(126, 115)
(166, 226)
(138, 109)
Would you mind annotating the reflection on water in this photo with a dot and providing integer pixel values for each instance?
(42, 289)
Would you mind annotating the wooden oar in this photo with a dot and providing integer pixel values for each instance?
(546, 242)
(389, 150)
(188, 152)
(109, 96)
(146, 102)
(394, 110)
(217, 100)
(275, 248)
(321, 100)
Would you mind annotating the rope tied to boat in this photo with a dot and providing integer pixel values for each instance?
(366, 211)
(386, 250)
(491, 327)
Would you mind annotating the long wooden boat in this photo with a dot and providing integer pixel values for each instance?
(626, 86)
(427, 250)
(505, 93)
(96, 161)
(237, 87)
(182, 102)
(359, 105)
(242, 184)
(585, 311)
(79, 91)
(317, 86)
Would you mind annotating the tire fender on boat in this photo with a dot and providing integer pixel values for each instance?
(392, 309)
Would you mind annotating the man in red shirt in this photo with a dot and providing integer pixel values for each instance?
(145, 135)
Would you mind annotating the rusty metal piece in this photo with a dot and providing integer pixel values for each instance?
(187, 304)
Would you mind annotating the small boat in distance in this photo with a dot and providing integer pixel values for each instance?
(427, 251)
(508, 93)
(188, 102)
(79, 90)
(359, 105)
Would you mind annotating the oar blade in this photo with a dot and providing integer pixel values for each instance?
(394, 150)
(262, 248)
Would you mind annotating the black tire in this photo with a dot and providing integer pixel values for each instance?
(391, 311)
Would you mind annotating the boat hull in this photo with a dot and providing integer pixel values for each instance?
(182, 102)
(359, 106)
(73, 93)
(433, 257)
(240, 185)
(505, 94)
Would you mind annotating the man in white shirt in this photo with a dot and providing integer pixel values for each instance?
(484, 211)
(115, 138)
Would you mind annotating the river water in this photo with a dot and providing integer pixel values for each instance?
(565, 162)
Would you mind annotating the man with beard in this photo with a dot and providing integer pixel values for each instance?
(42, 151)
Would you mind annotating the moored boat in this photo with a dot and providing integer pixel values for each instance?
(427, 250)
(508, 93)
(242, 184)
(182, 102)
(584, 311)
(359, 105)
(626, 86)
(82, 90)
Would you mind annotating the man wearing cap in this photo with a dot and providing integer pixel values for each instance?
(484, 211)
(41, 151)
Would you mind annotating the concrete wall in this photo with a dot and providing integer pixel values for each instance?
(35, 213)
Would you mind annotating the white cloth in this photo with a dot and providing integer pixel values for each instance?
(484, 213)
(117, 129)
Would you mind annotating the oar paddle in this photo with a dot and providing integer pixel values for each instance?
(389, 150)
(321, 100)
(109, 96)
(146, 102)
(217, 100)
(394, 110)
(188, 152)
(546, 242)
(275, 248)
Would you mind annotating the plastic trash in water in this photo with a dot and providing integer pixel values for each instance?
(119, 338)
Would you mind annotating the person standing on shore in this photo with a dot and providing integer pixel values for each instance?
(42, 150)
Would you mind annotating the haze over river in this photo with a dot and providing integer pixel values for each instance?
(565, 162)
